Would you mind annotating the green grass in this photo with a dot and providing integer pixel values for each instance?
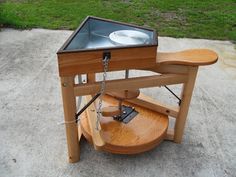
(210, 19)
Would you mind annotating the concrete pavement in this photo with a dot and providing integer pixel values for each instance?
(32, 144)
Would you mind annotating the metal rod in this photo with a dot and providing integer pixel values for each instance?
(86, 106)
(173, 94)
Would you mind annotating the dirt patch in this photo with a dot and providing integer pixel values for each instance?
(170, 16)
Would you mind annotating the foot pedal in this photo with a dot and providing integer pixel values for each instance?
(128, 113)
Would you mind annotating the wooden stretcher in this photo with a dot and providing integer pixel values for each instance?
(150, 127)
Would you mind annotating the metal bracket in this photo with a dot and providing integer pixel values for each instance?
(106, 55)
(128, 113)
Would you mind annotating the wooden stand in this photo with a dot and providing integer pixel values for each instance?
(149, 128)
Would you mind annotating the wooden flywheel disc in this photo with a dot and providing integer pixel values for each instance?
(144, 132)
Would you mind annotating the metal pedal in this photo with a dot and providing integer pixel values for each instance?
(128, 113)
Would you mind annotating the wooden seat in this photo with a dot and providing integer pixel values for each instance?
(193, 57)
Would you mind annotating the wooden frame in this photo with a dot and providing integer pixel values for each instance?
(172, 71)
(84, 60)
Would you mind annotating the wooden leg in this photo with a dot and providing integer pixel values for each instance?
(69, 104)
(186, 98)
(91, 77)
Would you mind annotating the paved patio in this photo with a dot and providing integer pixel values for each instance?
(32, 144)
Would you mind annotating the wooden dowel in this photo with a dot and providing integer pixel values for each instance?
(69, 105)
(131, 83)
(186, 96)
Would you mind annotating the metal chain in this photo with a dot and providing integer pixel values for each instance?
(103, 85)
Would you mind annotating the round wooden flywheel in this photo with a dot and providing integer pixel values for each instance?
(142, 133)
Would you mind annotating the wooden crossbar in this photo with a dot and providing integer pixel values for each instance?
(154, 105)
(131, 83)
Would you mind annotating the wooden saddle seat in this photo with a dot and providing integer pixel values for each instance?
(192, 57)
(142, 133)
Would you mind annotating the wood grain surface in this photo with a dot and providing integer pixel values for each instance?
(142, 133)
(192, 57)
(125, 94)
(73, 63)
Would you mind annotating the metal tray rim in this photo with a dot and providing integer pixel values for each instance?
(62, 49)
